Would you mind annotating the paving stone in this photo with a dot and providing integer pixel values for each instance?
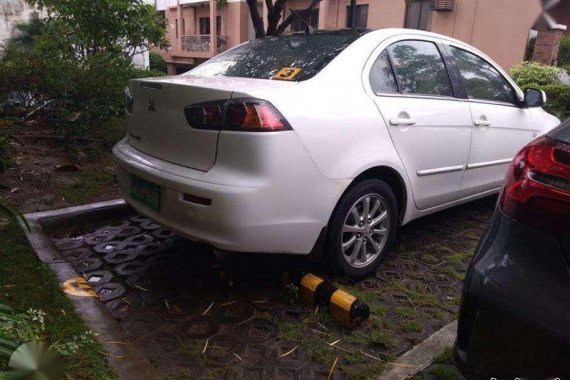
(120, 257)
(87, 264)
(162, 233)
(222, 349)
(131, 267)
(198, 327)
(252, 317)
(66, 245)
(122, 307)
(98, 277)
(101, 236)
(77, 254)
(150, 249)
(110, 291)
(128, 231)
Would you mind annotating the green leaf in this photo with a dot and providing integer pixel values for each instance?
(9, 344)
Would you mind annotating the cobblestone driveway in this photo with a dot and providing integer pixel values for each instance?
(196, 315)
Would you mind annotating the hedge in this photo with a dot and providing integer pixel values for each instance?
(558, 100)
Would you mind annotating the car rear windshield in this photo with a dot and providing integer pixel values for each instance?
(292, 57)
(562, 132)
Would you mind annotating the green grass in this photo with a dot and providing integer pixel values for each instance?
(406, 312)
(453, 273)
(429, 258)
(411, 326)
(381, 338)
(89, 185)
(363, 372)
(25, 282)
(292, 331)
(355, 337)
(442, 372)
(446, 357)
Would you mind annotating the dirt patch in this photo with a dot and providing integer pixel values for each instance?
(49, 176)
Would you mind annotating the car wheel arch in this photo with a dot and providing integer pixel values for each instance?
(389, 175)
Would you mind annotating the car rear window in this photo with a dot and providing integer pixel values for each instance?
(562, 132)
(292, 57)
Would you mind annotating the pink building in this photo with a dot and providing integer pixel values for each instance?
(200, 29)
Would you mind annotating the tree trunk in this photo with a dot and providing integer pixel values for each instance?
(256, 19)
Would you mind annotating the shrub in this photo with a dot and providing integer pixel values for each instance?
(157, 63)
(558, 100)
(81, 94)
(564, 52)
(531, 73)
(74, 64)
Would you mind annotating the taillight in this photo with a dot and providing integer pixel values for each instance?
(206, 116)
(128, 98)
(537, 186)
(248, 115)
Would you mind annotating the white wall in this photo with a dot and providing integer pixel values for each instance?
(12, 12)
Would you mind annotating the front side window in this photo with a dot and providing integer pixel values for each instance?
(382, 78)
(482, 81)
(419, 68)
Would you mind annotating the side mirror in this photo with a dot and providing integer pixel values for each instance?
(534, 97)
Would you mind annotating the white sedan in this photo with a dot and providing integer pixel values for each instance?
(322, 143)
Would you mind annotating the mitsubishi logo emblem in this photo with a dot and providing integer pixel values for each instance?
(150, 106)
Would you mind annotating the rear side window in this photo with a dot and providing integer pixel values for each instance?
(292, 57)
(382, 78)
(419, 68)
(482, 81)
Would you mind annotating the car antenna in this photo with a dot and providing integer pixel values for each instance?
(308, 28)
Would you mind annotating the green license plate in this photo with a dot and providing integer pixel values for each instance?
(145, 192)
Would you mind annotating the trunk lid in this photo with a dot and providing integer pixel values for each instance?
(157, 125)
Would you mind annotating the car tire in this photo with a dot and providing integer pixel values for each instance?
(357, 242)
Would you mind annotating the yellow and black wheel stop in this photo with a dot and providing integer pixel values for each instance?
(344, 307)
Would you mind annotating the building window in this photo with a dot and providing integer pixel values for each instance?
(176, 27)
(204, 25)
(183, 26)
(312, 19)
(361, 16)
(418, 15)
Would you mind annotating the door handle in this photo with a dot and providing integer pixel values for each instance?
(482, 123)
(402, 121)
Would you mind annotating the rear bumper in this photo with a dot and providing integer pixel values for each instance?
(515, 313)
(279, 205)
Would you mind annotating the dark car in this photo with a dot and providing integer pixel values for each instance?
(515, 312)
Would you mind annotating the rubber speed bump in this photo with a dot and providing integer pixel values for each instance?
(344, 307)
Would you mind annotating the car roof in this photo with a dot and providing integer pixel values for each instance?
(379, 33)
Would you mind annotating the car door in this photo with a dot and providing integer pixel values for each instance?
(430, 128)
(500, 126)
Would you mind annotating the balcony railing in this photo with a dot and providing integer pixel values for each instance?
(201, 43)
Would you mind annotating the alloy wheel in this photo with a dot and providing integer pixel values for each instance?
(365, 230)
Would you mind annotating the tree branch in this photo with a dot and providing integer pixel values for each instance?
(292, 17)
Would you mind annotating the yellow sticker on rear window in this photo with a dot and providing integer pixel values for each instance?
(287, 73)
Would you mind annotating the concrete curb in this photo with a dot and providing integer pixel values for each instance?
(127, 360)
(421, 356)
